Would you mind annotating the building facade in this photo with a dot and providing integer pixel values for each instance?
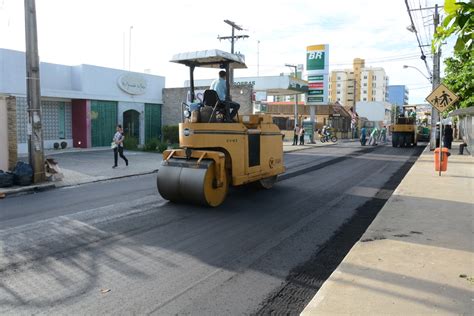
(398, 95)
(360, 83)
(81, 105)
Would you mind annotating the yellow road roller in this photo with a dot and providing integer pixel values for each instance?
(216, 151)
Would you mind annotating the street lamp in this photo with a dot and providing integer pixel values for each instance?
(429, 78)
(296, 95)
(130, 49)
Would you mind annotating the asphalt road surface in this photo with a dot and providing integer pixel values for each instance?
(118, 248)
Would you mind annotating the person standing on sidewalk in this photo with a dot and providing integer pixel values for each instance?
(448, 136)
(296, 132)
(118, 148)
(301, 135)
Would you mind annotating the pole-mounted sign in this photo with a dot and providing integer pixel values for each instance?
(441, 98)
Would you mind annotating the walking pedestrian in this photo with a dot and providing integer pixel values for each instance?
(117, 145)
(383, 135)
(448, 136)
(296, 132)
(302, 135)
(363, 136)
(373, 137)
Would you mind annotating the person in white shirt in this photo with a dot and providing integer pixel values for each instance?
(118, 149)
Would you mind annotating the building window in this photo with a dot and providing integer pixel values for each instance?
(338, 78)
(338, 91)
(338, 99)
(365, 84)
(338, 85)
(365, 77)
(374, 77)
(365, 91)
(364, 99)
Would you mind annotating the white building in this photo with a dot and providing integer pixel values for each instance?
(81, 105)
(360, 83)
(375, 111)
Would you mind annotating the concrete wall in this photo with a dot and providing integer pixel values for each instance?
(173, 97)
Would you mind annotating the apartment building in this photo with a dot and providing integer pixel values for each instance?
(358, 84)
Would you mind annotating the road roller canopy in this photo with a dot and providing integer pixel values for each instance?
(213, 58)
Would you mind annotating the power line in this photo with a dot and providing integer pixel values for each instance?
(413, 27)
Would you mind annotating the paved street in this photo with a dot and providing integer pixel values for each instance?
(117, 247)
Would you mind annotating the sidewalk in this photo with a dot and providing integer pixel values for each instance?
(416, 258)
(85, 166)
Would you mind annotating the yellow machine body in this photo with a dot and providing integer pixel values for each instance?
(404, 132)
(216, 155)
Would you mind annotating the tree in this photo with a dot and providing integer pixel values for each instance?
(459, 21)
(459, 75)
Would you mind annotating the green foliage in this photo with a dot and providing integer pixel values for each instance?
(151, 144)
(162, 147)
(459, 77)
(459, 21)
(171, 134)
(130, 143)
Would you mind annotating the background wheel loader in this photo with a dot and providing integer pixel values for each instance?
(214, 153)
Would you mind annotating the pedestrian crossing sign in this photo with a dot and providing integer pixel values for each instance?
(441, 98)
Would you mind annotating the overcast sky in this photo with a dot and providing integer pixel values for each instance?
(97, 31)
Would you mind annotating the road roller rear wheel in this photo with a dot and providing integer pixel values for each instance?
(179, 183)
(267, 183)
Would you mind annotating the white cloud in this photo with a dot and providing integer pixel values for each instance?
(93, 32)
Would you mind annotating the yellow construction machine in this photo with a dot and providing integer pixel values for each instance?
(215, 151)
(404, 131)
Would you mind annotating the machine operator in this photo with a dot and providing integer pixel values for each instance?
(219, 85)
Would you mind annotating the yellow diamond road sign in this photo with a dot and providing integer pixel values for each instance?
(441, 97)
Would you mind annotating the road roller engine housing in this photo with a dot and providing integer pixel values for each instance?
(215, 151)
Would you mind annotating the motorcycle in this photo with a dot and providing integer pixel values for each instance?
(327, 138)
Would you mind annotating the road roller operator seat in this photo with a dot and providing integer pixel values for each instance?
(211, 99)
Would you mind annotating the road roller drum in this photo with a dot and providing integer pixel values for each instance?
(181, 180)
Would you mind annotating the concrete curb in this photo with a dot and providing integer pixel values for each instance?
(49, 186)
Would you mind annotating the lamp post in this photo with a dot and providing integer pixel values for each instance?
(296, 95)
(430, 79)
(130, 49)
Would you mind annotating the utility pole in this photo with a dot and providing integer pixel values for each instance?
(130, 49)
(232, 38)
(296, 95)
(35, 136)
(258, 58)
(354, 134)
(435, 117)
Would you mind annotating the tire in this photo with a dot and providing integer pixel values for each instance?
(267, 183)
(395, 140)
(401, 141)
(334, 139)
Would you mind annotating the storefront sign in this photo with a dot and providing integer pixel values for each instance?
(317, 62)
(132, 83)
